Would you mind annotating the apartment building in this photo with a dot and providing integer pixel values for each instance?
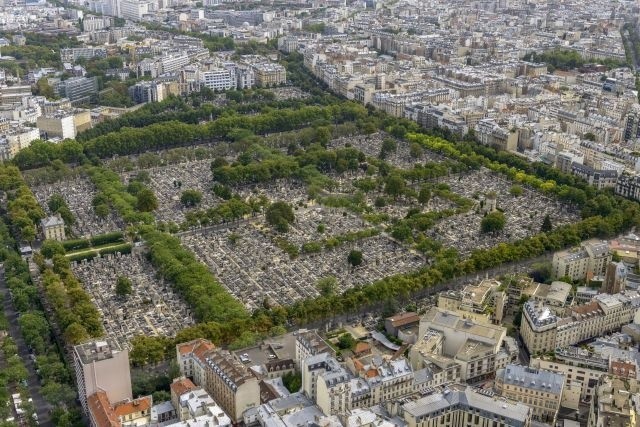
(191, 359)
(309, 343)
(581, 369)
(135, 9)
(614, 403)
(229, 382)
(583, 263)
(628, 186)
(467, 407)
(219, 79)
(102, 366)
(100, 412)
(488, 132)
(543, 331)
(144, 92)
(598, 178)
(539, 389)
(64, 124)
(18, 138)
(13, 94)
(268, 74)
(337, 390)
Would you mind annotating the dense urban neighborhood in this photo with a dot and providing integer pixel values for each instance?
(332, 213)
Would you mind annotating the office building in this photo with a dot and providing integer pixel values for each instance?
(78, 88)
(478, 348)
(72, 54)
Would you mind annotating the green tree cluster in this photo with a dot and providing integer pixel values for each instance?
(280, 215)
(58, 205)
(133, 208)
(170, 134)
(74, 312)
(124, 286)
(566, 59)
(493, 222)
(191, 279)
(190, 197)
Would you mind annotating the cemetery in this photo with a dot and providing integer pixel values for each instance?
(523, 213)
(169, 182)
(78, 194)
(259, 265)
(249, 261)
(150, 308)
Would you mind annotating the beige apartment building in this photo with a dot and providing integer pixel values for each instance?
(229, 382)
(457, 406)
(583, 263)
(539, 389)
(102, 366)
(542, 331)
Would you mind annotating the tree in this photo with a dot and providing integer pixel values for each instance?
(50, 248)
(279, 215)
(516, 190)
(546, 224)
(415, 150)
(124, 286)
(101, 210)
(424, 195)
(147, 201)
(76, 334)
(354, 258)
(394, 185)
(590, 136)
(389, 145)
(58, 394)
(541, 272)
(191, 197)
(55, 202)
(327, 285)
(346, 342)
(43, 88)
(35, 329)
(493, 222)
(401, 232)
(292, 381)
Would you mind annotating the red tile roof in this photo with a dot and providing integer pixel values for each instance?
(101, 410)
(133, 406)
(402, 319)
(182, 386)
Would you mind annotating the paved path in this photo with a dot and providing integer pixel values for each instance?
(41, 406)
